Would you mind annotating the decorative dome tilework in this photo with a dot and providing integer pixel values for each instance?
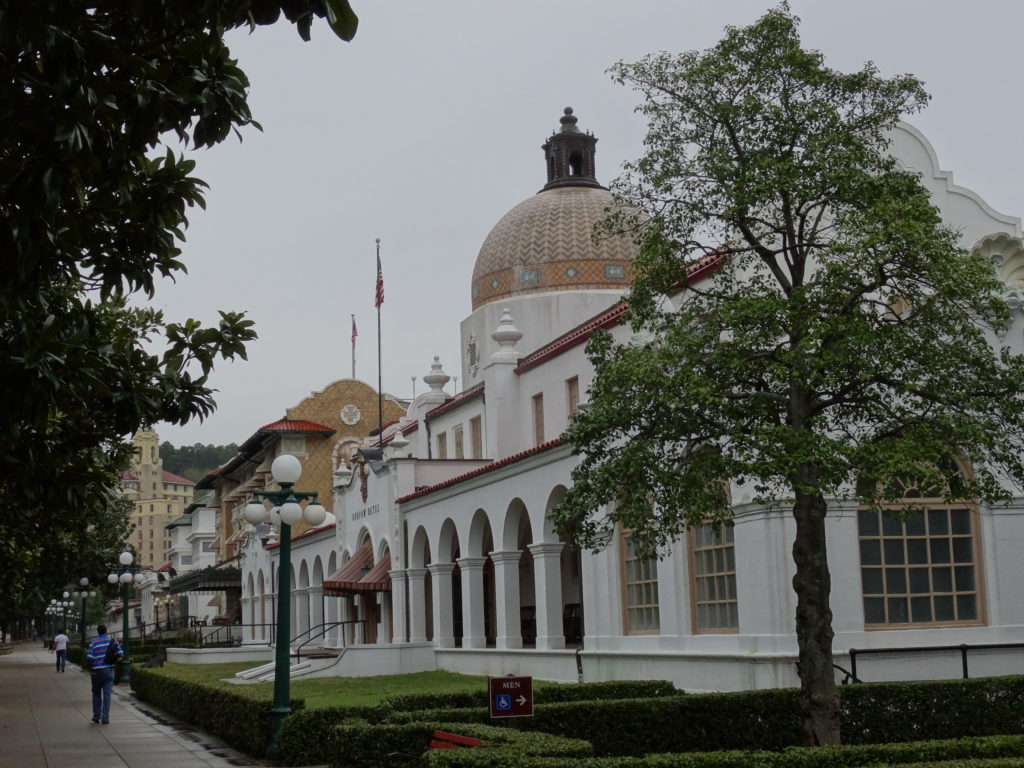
(546, 243)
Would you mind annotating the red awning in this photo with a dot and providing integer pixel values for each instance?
(346, 579)
(378, 579)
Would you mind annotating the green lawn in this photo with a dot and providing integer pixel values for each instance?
(328, 691)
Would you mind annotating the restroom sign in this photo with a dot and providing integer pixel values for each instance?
(510, 696)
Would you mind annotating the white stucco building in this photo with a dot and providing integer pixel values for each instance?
(441, 555)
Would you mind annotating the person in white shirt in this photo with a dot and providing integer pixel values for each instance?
(60, 645)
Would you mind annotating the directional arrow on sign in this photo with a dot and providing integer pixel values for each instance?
(521, 700)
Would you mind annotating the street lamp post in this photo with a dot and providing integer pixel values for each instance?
(85, 594)
(126, 574)
(286, 471)
(65, 603)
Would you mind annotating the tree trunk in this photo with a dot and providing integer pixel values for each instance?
(819, 700)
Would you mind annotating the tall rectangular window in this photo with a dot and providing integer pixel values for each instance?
(641, 614)
(572, 395)
(713, 579)
(442, 446)
(538, 419)
(460, 447)
(476, 438)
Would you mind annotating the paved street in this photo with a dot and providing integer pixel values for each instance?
(45, 722)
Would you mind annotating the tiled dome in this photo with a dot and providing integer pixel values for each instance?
(546, 243)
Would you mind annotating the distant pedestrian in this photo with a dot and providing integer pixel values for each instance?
(104, 651)
(60, 645)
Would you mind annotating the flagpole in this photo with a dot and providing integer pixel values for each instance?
(353, 346)
(378, 300)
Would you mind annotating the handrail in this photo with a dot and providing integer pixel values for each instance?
(848, 676)
(963, 648)
(202, 635)
(326, 626)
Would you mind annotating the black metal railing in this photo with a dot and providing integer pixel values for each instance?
(319, 631)
(963, 649)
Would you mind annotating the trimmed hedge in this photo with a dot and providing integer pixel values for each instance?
(357, 743)
(612, 689)
(1003, 750)
(681, 723)
(141, 652)
(769, 719)
(984, 706)
(242, 722)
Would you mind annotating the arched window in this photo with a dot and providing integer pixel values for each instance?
(920, 561)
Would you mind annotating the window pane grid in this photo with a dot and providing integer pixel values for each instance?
(713, 578)
(640, 591)
(919, 569)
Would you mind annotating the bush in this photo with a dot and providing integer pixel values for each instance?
(297, 748)
(358, 743)
(769, 719)
(984, 706)
(141, 652)
(1000, 750)
(613, 689)
(242, 722)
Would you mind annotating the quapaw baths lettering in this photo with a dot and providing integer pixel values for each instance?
(359, 514)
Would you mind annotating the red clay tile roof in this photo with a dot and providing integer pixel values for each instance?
(294, 425)
(577, 335)
(170, 477)
(483, 470)
(456, 401)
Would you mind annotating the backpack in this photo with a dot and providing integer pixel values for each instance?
(113, 653)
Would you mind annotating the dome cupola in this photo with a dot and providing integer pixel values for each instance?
(570, 155)
(546, 243)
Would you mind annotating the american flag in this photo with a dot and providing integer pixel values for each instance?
(354, 331)
(379, 298)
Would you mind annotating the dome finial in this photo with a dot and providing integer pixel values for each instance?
(568, 121)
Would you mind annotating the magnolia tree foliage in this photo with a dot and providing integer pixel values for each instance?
(846, 336)
(98, 101)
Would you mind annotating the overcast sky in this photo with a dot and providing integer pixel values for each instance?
(427, 128)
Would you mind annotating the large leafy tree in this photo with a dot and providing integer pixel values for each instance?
(846, 336)
(95, 97)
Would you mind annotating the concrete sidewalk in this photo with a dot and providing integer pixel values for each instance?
(46, 722)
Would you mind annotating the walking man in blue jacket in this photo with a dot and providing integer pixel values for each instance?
(103, 672)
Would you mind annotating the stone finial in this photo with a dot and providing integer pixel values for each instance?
(342, 475)
(568, 121)
(398, 445)
(437, 378)
(507, 336)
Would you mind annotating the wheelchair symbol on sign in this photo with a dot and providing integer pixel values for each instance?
(503, 702)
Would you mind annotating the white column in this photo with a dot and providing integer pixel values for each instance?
(417, 604)
(398, 600)
(316, 614)
(269, 616)
(384, 617)
(547, 570)
(300, 599)
(472, 569)
(332, 613)
(248, 618)
(508, 633)
(444, 631)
